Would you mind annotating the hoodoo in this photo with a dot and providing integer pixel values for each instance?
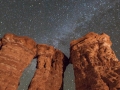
(95, 64)
(16, 54)
(50, 69)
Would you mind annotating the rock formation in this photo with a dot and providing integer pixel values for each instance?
(16, 54)
(50, 67)
(95, 64)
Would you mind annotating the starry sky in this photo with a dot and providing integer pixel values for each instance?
(57, 22)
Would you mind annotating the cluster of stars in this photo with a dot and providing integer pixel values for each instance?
(58, 22)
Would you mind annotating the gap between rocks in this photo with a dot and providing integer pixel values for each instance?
(27, 75)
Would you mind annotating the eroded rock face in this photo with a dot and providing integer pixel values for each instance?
(50, 68)
(15, 55)
(95, 64)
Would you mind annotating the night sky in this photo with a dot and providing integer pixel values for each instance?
(57, 22)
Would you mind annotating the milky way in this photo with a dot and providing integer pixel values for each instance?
(57, 22)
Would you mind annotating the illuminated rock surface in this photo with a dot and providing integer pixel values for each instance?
(95, 64)
(15, 55)
(50, 67)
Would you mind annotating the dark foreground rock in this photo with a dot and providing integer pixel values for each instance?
(50, 68)
(15, 55)
(95, 64)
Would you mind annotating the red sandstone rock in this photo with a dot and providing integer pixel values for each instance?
(15, 55)
(95, 64)
(50, 68)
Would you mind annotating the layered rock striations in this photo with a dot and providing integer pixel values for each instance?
(50, 67)
(95, 64)
(16, 54)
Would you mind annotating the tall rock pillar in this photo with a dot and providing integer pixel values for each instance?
(16, 54)
(95, 64)
(50, 69)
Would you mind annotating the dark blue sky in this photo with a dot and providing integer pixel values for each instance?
(57, 22)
